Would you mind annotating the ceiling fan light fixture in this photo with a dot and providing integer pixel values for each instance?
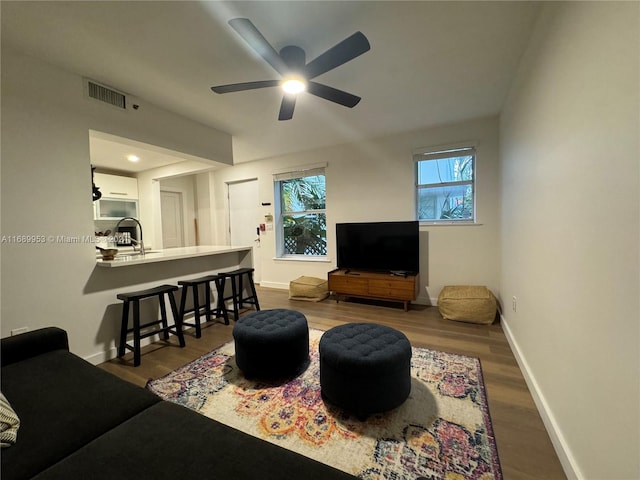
(296, 73)
(293, 85)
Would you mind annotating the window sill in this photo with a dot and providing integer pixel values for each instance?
(302, 258)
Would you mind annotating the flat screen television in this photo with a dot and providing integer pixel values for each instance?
(379, 246)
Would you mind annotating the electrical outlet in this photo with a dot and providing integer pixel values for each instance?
(514, 303)
(18, 331)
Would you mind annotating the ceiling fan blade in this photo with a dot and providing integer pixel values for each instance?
(333, 94)
(239, 87)
(287, 106)
(346, 50)
(254, 38)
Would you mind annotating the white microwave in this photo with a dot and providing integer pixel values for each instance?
(115, 208)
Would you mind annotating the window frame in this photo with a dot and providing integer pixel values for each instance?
(278, 181)
(444, 152)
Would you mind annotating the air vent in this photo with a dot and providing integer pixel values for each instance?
(106, 95)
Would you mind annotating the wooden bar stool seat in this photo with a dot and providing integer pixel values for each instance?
(238, 297)
(165, 329)
(219, 310)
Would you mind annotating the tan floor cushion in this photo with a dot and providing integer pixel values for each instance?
(467, 303)
(310, 289)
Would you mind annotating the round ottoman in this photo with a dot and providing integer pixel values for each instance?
(271, 344)
(365, 368)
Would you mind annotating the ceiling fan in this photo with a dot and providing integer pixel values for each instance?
(296, 74)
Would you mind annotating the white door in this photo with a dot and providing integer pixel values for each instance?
(172, 221)
(244, 219)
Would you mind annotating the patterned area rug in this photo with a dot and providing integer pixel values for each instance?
(442, 431)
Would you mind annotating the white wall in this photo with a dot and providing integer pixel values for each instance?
(46, 183)
(374, 181)
(570, 216)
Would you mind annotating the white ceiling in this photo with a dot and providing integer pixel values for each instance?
(430, 63)
(109, 152)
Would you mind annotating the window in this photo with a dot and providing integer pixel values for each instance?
(300, 207)
(445, 185)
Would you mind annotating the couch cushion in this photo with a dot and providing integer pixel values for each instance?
(168, 441)
(63, 402)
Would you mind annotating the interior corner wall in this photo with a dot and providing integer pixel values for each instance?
(186, 186)
(150, 214)
(375, 181)
(570, 231)
(52, 279)
(204, 211)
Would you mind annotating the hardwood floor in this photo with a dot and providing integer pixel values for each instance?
(524, 447)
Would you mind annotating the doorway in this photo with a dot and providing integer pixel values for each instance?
(244, 218)
(172, 219)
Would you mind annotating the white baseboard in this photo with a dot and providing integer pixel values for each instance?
(102, 357)
(112, 352)
(569, 464)
(424, 300)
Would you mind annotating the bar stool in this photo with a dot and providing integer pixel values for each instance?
(218, 311)
(135, 297)
(237, 290)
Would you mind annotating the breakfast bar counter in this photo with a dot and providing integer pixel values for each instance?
(131, 272)
(131, 258)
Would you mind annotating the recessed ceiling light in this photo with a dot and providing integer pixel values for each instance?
(293, 85)
(133, 158)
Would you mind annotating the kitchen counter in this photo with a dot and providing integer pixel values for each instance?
(132, 273)
(129, 258)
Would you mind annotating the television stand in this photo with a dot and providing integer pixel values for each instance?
(374, 285)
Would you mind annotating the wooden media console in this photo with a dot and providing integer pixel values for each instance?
(375, 285)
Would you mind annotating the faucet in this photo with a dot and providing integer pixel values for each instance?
(138, 242)
(140, 245)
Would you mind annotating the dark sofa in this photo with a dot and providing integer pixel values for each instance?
(78, 421)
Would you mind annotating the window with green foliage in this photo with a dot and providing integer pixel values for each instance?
(302, 220)
(445, 185)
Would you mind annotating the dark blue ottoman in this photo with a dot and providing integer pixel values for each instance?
(365, 368)
(272, 344)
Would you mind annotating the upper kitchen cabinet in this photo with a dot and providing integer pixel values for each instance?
(119, 197)
(116, 186)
